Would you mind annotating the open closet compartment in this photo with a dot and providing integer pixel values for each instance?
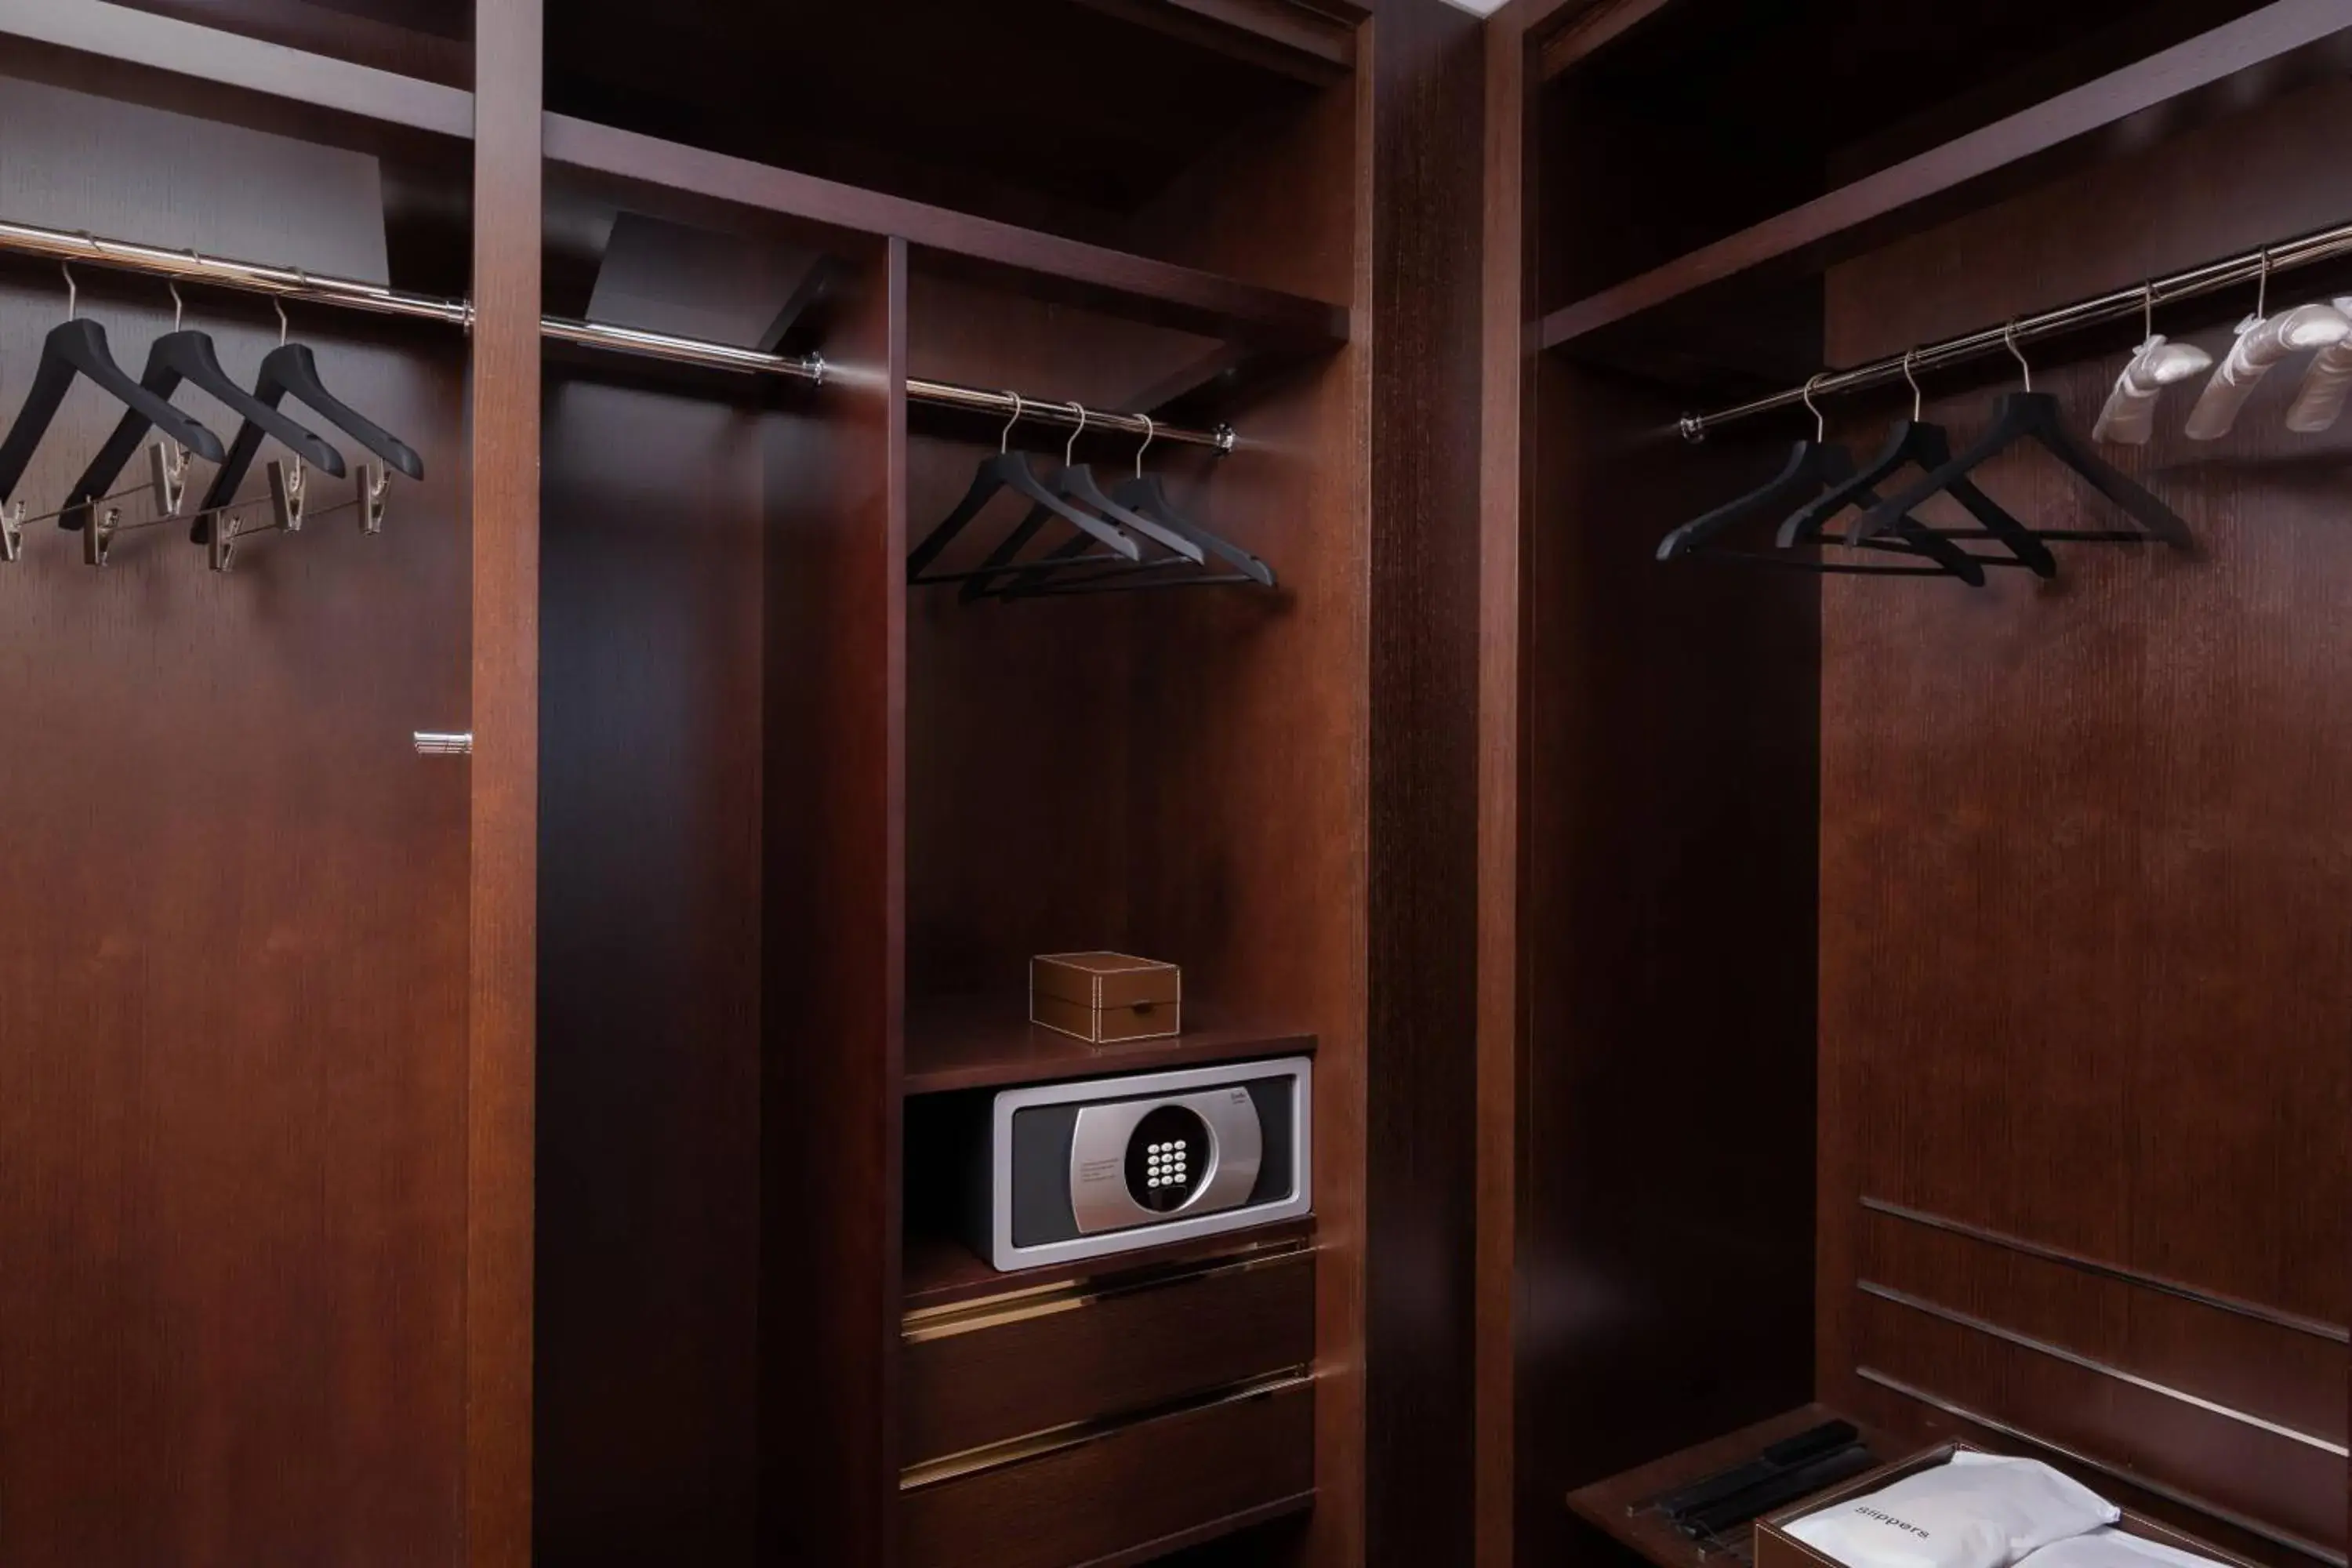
(236, 1041)
(1918, 994)
(860, 801)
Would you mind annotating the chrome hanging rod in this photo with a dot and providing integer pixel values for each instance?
(2245, 268)
(294, 283)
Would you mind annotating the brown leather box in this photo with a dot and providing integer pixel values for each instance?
(1102, 997)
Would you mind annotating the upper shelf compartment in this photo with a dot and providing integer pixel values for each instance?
(1814, 144)
(1053, 162)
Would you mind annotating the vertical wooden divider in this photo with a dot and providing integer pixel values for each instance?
(1506, 305)
(834, 942)
(502, 384)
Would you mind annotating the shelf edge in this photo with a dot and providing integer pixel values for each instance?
(233, 59)
(2260, 40)
(1177, 296)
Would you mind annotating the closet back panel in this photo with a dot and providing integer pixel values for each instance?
(1166, 772)
(233, 1088)
(1667, 1123)
(2086, 850)
(652, 544)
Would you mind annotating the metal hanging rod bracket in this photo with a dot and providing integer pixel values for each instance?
(350, 293)
(2246, 267)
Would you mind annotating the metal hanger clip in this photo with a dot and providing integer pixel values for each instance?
(167, 470)
(221, 553)
(375, 485)
(286, 495)
(12, 532)
(98, 535)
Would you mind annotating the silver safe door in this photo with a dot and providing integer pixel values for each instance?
(1153, 1158)
(1144, 1161)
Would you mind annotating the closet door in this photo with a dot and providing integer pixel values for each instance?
(263, 1207)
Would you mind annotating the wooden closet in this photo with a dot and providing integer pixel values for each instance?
(515, 1147)
(1902, 1001)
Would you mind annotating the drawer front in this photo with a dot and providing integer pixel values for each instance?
(1123, 1495)
(1001, 1371)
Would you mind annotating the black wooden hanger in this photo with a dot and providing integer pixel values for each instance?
(185, 355)
(1915, 443)
(1813, 466)
(291, 370)
(1075, 482)
(1142, 493)
(1009, 470)
(77, 348)
(2036, 416)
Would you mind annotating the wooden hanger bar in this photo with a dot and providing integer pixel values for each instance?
(2246, 267)
(351, 293)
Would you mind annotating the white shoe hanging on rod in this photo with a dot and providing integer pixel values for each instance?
(2263, 341)
(2325, 384)
(2129, 417)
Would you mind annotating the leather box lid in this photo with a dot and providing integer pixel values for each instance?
(1105, 979)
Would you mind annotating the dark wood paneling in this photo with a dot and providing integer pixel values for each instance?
(1427, 83)
(1589, 30)
(2272, 49)
(1126, 1497)
(2266, 1369)
(1028, 731)
(233, 1060)
(502, 395)
(833, 942)
(1176, 774)
(1506, 409)
(1178, 297)
(649, 979)
(1668, 925)
(1310, 43)
(2240, 1467)
(926, 101)
(2083, 967)
(251, 64)
(432, 40)
(1111, 1354)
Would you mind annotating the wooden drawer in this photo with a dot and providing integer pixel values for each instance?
(1101, 1498)
(999, 1370)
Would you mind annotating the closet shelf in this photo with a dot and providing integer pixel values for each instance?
(1280, 327)
(987, 1042)
(1613, 1504)
(2229, 69)
(224, 58)
(1113, 281)
(941, 1271)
